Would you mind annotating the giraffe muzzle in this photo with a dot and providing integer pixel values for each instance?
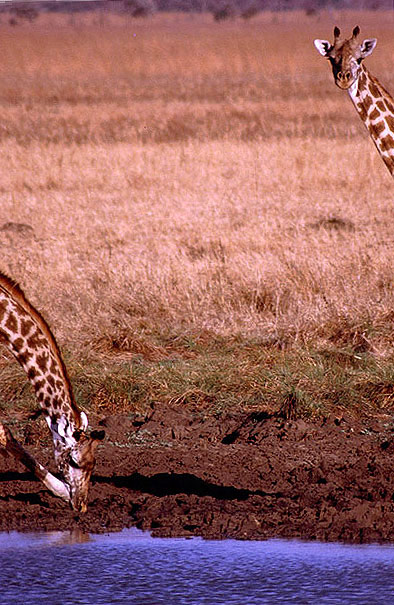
(344, 79)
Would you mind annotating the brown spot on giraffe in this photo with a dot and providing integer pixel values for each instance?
(362, 112)
(374, 115)
(42, 361)
(374, 90)
(33, 342)
(362, 81)
(47, 402)
(379, 128)
(31, 373)
(25, 356)
(3, 308)
(26, 326)
(11, 323)
(367, 104)
(390, 122)
(18, 344)
(388, 142)
(39, 384)
(54, 369)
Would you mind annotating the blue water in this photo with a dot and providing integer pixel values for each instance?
(131, 567)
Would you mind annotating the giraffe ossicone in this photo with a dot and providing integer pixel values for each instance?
(27, 335)
(373, 103)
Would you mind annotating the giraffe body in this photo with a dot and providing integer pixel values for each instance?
(27, 335)
(373, 103)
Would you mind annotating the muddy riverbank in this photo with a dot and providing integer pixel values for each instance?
(176, 472)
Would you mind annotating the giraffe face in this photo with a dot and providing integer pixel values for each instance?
(76, 464)
(345, 56)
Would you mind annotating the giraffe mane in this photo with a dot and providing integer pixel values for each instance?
(12, 288)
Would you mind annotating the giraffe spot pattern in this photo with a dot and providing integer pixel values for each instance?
(32, 373)
(388, 142)
(32, 350)
(362, 80)
(390, 122)
(18, 344)
(3, 309)
(376, 109)
(368, 103)
(374, 90)
(390, 107)
(361, 110)
(11, 323)
(26, 326)
(42, 360)
(34, 340)
(374, 114)
(379, 128)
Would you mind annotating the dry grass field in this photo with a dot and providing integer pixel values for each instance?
(198, 212)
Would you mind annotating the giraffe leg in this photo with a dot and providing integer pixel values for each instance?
(11, 445)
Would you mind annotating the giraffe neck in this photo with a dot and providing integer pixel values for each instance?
(30, 340)
(375, 107)
(26, 334)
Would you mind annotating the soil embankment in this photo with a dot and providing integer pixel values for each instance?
(249, 476)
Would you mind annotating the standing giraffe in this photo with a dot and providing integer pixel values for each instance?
(27, 335)
(373, 103)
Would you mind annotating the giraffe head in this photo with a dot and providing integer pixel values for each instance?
(75, 459)
(345, 56)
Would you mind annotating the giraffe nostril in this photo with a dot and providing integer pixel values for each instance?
(344, 76)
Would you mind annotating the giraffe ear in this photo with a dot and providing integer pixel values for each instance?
(84, 421)
(323, 47)
(367, 47)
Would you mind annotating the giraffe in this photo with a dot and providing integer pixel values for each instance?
(373, 103)
(27, 335)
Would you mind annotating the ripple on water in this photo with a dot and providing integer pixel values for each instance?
(131, 567)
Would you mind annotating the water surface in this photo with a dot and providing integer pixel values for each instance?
(131, 567)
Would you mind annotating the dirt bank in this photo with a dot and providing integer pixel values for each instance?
(178, 473)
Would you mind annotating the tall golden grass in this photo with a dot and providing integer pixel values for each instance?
(189, 183)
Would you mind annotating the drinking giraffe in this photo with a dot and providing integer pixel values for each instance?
(27, 335)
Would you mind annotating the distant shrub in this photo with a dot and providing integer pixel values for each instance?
(222, 11)
(23, 13)
(140, 8)
(250, 10)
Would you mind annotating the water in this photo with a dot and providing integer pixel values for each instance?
(131, 567)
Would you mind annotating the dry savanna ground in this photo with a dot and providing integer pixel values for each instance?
(198, 212)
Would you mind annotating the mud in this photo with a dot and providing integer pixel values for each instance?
(176, 472)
